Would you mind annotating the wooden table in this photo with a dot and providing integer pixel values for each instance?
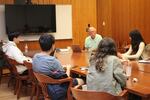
(31, 53)
(141, 87)
(75, 59)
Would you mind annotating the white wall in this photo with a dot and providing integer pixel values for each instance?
(63, 24)
(3, 35)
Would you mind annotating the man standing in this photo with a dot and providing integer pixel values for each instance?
(92, 41)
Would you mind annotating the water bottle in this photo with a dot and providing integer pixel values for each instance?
(26, 48)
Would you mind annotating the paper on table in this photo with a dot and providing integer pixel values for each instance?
(64, 50)
(84, 68)
(144, 61)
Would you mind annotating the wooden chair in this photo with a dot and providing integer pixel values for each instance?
(2, 66)
(45, 80)
(93, 95)
(19, 78)
(2, 61)
(9, 67)
(35, 86)
(5, 66)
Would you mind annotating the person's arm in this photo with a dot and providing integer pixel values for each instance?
(139, 52)
(123, 56)
(86, 44)
(68, 67)
(119, 73)
(129, 51)
(18, 55)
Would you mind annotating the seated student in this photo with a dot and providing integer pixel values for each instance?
(91, 42)
(46, 64)
(136, 48)
(12, 51)
(106, 71)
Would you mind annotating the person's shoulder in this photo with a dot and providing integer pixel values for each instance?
(44, 58)
(41, 56)
(99, 36)
(11, 46)
(52, 59)
(142, 43)
(35, 55)
(87, 38)
(113, 58)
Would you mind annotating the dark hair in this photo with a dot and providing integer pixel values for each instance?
(13, 35)
(106, 47)
(136, 38)
(46, 41)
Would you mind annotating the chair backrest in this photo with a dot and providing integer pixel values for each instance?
(1, 51)
(12, 64)
(30, 71)
(44, 80)
(93, 95)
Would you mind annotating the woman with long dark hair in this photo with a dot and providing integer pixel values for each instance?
(106, 71)
(137, 46)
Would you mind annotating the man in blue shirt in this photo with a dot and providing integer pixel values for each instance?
(49, 65)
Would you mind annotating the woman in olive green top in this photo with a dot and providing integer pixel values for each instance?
(106, 72)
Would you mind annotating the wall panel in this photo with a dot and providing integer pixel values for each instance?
(120, 21)
(104, 17)
(122, 17)
(6, 1)
(140, 17)
(84, 13)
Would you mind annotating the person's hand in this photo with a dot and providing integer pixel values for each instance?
(125, 62)
(68, 67)
(124, 57)
(119, 55)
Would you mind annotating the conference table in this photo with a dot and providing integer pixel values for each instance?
(139, 87)
(140, 71)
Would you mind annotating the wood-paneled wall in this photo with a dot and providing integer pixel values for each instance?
(104, 17)
(6, 1)
(122, 16)
(115, 18)
(120, 21)
(34, 45)
(83, 13)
